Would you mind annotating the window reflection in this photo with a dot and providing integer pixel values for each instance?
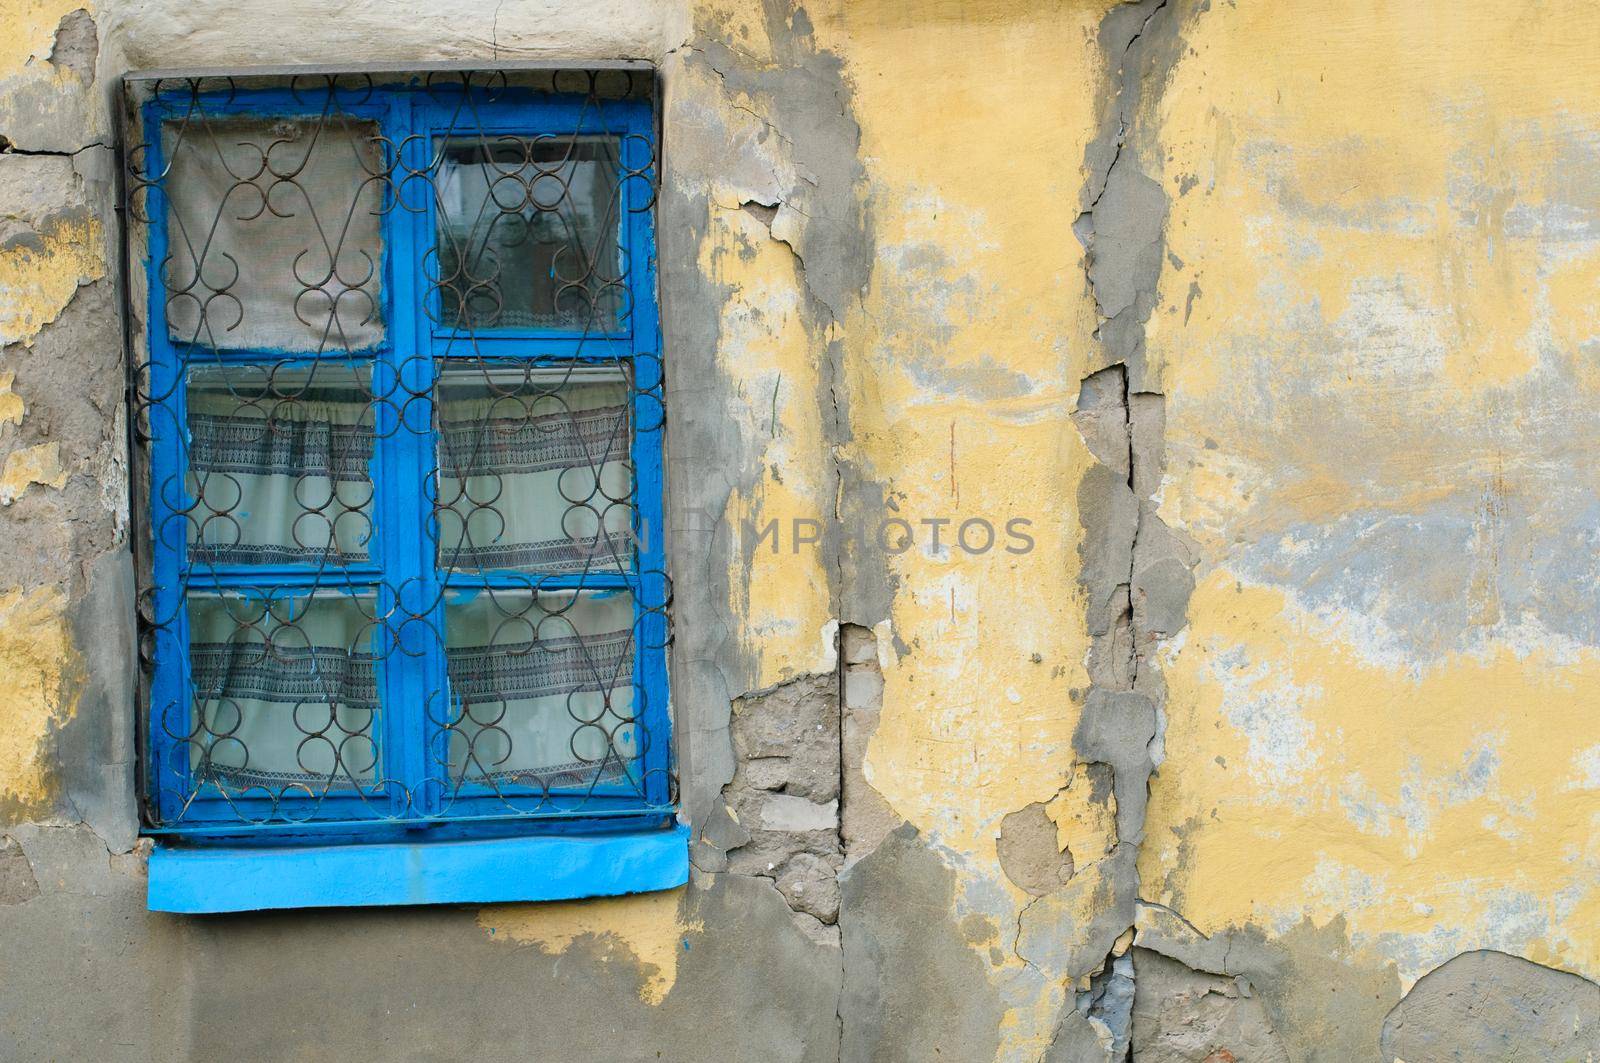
(528, 234)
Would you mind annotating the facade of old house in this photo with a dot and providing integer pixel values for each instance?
(745, 530)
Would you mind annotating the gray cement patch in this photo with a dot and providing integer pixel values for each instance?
(1491, 1006)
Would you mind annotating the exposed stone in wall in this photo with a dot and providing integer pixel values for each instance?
(760, 122)
(1185, 1016)
(757, 114)
(1487, 1005)
(799, 800)
(198, 982)
(784, 796)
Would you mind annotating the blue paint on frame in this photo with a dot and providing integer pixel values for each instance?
(204, 880)
(408, 846)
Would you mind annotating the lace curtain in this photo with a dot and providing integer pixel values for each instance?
(535, 476)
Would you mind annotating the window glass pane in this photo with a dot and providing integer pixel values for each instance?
(528, 233)
(285, 691)
(274, 233)
(280, 464)
(535, 471)
(541, 688)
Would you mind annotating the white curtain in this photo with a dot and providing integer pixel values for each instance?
(286, 692)
(541, 688)
(281, 471)
(532, 479)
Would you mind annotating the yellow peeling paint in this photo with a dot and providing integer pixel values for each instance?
(962, 370)
(11, 407)
(961, 365)
(36, 653)
(1388, 301)
(39, 464)
(645, 929)
(1086, 823)
(1386, 320)
(1401, 162)
(27, 30)
(1305, 781)
(40, 275)
(779, 586)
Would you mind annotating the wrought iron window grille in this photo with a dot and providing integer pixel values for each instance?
(396, 427)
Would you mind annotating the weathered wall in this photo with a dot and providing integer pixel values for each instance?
(1272, 323)
(1379, 359)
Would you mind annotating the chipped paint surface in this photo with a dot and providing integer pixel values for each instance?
(11, 404)
(964, 356)
(1306, 297)
(647, 931)
(41, 273)
(780, 588)
(24, 468)
(1379, 363)
(36, 655)
(27, 30)
(966, 351)
(46, 102)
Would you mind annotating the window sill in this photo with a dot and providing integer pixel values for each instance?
(541, 868)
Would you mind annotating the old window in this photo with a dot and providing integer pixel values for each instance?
(398, 407)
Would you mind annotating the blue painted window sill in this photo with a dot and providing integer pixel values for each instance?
(543, 868)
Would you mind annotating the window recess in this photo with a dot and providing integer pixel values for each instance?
(397, 415)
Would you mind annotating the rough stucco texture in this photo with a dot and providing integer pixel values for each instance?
(1379, 369)
(1275, 322)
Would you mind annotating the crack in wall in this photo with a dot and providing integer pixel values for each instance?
(1136, 574)
(1195, 996)
(8, 148)
(1108, 1002)
(779, 143)
(1181, 1014)
(1136, 611)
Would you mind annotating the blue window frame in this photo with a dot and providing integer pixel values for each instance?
(398, 407)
